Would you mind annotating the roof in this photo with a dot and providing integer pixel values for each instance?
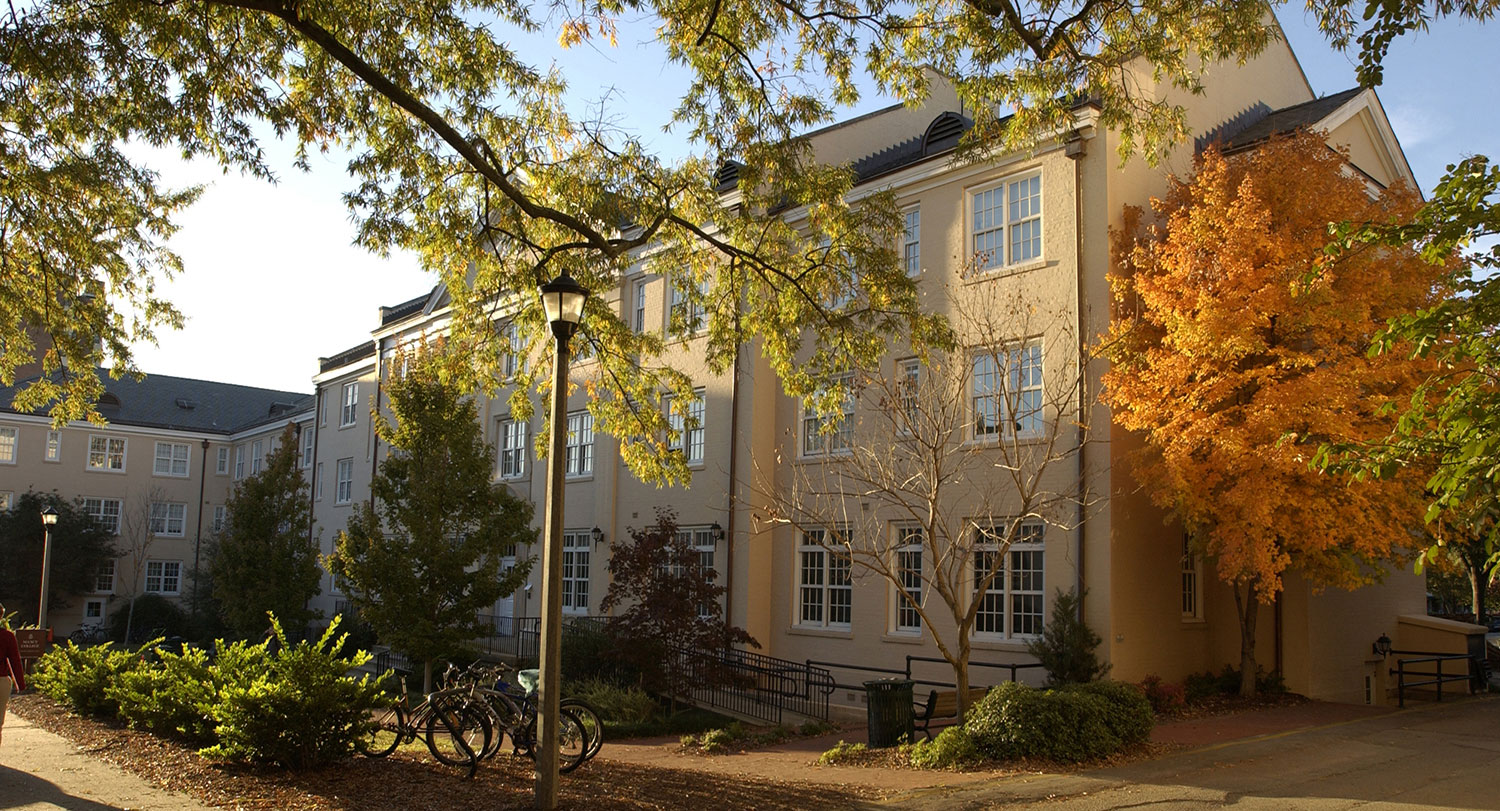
(390, 315)
(354, 353)
(1287, 119)
(186, 404)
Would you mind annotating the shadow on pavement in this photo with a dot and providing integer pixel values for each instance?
(19, 789)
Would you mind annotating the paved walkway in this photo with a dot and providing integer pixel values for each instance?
(40, 771)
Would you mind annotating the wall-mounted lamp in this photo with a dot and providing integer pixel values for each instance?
(598, 535)
(1382, 646)
(716, 531)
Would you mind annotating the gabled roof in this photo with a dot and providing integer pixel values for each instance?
(1288, 119)
(186, 404)
(354, 353)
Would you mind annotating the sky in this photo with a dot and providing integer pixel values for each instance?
(273, 281)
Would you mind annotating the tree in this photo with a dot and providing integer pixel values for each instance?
(138, 531)
(264, 560)
(468, 156)
(422, 563)
(671, 603)
(1240, 345)
(937, 468)
(79, 546)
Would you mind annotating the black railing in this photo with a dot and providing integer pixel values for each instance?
(754, 684)
(1428, 678)
(906, 673)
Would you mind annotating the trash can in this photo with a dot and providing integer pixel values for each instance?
(890, 711)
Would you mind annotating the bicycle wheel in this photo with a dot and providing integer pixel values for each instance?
(456, 733)
(572, 741)
(592, 724)
(505, 716)
(384, 735)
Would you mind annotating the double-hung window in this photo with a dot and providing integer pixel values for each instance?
(1008, 585)
(104, 577)
(824, 589)
(824, 434)
(105, 512)
(575, 566)
(686, 315)
(171, 459)
(1006, 223)
(510, 349)
(908, 388)
(168, 518)
(908, 565)
(107, 453)
(911, 241)
(221, 465)
(9, 438)
(1007, 391)
(685, 421)
(512, 450)
(343, 488)
(54, 446)
(307, 446)
(221, 517)
(350, 410)
(257, 456)
(163, 576)
(239, 462)
(637, 314)
(579, 456)
(700, 540)
(1192, 576)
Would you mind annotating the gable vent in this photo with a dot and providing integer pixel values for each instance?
(185, 404)
(728, 175)
(944, 132)
(108, 400)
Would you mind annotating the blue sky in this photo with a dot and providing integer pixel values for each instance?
(272, 281)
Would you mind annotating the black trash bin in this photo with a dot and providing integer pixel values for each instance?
(890, 711)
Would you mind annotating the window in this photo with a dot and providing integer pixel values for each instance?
(908, 385)
(1192, 575)
(1010, 212)
(221, 513)
(307, 446)
(1007, 389)
(93, 610)
(322, 411)
(686, 317)
(171, 459)
(579, 457)
(637, 313)
(8, 438)
(1011, 606)
(54, 446)
(911, 241)
(512, 449)
(825, 591)
(832, 433)
(686, 429)
(257, 456)
(909, 574)
(318, 482)
(239, 462)
(343, 488)
(351, 404)
(163, 576)
(7, 501)
(575, 566)
(221, 466)
(702, 540)
(106, 453)
(104, 578)
(510, 353)
(105, 512)
(168, 518)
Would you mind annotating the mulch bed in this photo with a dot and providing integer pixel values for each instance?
(408, 780)
(1211, 706)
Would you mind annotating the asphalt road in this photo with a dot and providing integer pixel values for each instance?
(1434, 756)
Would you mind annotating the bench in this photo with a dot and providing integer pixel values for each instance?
(942, 704)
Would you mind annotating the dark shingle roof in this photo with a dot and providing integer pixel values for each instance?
(390, 315)
(348, 356)
(186, 404)
(1287, 119)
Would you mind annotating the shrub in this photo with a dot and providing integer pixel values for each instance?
(174, 697)
(616, 704)
(812, 728)
(1227, 682)
(841, 753)
(153, 612)
(1130, 717)
(1165, 697)
(300, 710)
(1066, 647)
(953, 748)
(1014, 720)
(80, 677)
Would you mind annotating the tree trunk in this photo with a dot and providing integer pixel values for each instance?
(1247, 605)
(961, 679)
(1476, 586)
(427, 677)
(129, 620)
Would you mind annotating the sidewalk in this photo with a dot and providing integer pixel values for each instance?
(40, 771)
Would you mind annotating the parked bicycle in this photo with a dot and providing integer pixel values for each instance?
(514, 708)
(455, 729)
(89, 635)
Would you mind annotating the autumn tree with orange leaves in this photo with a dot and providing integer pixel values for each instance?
(1240, 345)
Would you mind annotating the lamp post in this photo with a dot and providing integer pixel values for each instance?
(562, 298)
(49, 518)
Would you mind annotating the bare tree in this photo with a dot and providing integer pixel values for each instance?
(938, 465)
(136, 533)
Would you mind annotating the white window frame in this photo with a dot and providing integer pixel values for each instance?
(221, 462)
(7, 501)
(349, 410)
(638, 309)
(239, 462)
(96, 605)
(54, 447)
(825, 585)
(510, 351)
(10, 444)
(318, 482)
(257, 456)
(577, 547)
(343, 486)
(694, 320)
(108, 455)
(911, 241)
(816, 439)
(1015, 587)
(906, 541)
(701, 539)
(683, 436)
(168, 519)
(578, 453)
(105, 511)
(158, 578)
(307, 446)
(176, 452)
(106, 570)
(510, 448)
(1005, 214)
(221, 517)
(1192, 582)
(1007, 392)
(908, 373)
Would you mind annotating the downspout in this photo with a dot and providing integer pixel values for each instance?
(375, 437)
(312, 486)
(198, 540)
(1076, 151)
(734, 445)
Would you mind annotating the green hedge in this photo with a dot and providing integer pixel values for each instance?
(1078, 722)
(81, 677)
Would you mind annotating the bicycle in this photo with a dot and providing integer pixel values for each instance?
(581, 732)
(447, 720)
(89, 635)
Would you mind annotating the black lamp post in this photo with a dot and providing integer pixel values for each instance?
(1382, 646)
(563, 299)
(49, 519)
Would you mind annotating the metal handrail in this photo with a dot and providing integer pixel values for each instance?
(906, 672)
(1439, 678)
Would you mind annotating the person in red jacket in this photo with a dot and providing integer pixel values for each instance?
(11, 672)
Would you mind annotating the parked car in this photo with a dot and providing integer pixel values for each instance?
(1495, 624)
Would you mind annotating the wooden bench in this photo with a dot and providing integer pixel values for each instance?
(942, 704)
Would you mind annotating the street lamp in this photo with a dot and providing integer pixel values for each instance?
(563, 299)
(1382, 646)
(49, 518)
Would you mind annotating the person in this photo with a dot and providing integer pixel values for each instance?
(11, 671)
